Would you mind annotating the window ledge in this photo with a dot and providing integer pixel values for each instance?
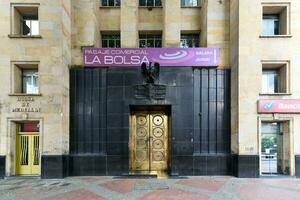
(24, 94)
(150, 7)
(25, 36)
(275, 94)
(275, 36)
(190, 6)
(107, 7)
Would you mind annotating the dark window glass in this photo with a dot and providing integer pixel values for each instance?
(104, 3)
(111, 41)
(150, 41)
(118, 43)
(158, 3)
(158, 43)
(189, 3)
(142, 43)
(110, 2)
(150, 3)
(270, 81)
(270, 24)
(189, 40)
(142, 2)
(104, 43)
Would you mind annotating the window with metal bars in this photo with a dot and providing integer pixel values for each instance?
(150, 3)
(115, 3)
(111, 41)
(189, 40)
(150, 41)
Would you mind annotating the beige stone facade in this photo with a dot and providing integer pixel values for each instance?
(67, 26)
(51, 52)
(249, 50)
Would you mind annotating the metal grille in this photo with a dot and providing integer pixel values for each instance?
(111, 41)
(116, 3)
(189, 40)
(150, 40)
(24, 150)
(150, 3)
(36, 155)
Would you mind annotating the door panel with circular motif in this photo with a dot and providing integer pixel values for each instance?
(158, 142)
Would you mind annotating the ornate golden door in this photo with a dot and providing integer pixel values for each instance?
(27, 153)
(149, 143)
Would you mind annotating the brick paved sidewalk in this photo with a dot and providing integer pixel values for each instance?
(188, 188)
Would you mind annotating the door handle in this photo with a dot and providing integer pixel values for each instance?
(148, 139)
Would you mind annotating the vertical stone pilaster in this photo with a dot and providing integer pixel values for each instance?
(85, 27)
(129, 23)
(234, 62)
(218, 29)
(171, 31)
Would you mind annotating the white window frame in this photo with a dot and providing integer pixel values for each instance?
(284, 23)
(16, 84)
(284, 74)
(13, 31)
(32, 74)
(185, 3)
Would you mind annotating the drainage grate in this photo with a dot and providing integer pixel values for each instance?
(151, 186)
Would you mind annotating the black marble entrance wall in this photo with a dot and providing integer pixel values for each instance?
(199, 105)
(297, 166)
(2, 167)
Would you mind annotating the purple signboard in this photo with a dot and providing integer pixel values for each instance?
(118, 57)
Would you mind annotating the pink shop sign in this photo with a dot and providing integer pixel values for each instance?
(134, 57)
(279, 106)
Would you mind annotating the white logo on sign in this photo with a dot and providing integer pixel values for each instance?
(173, 56)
